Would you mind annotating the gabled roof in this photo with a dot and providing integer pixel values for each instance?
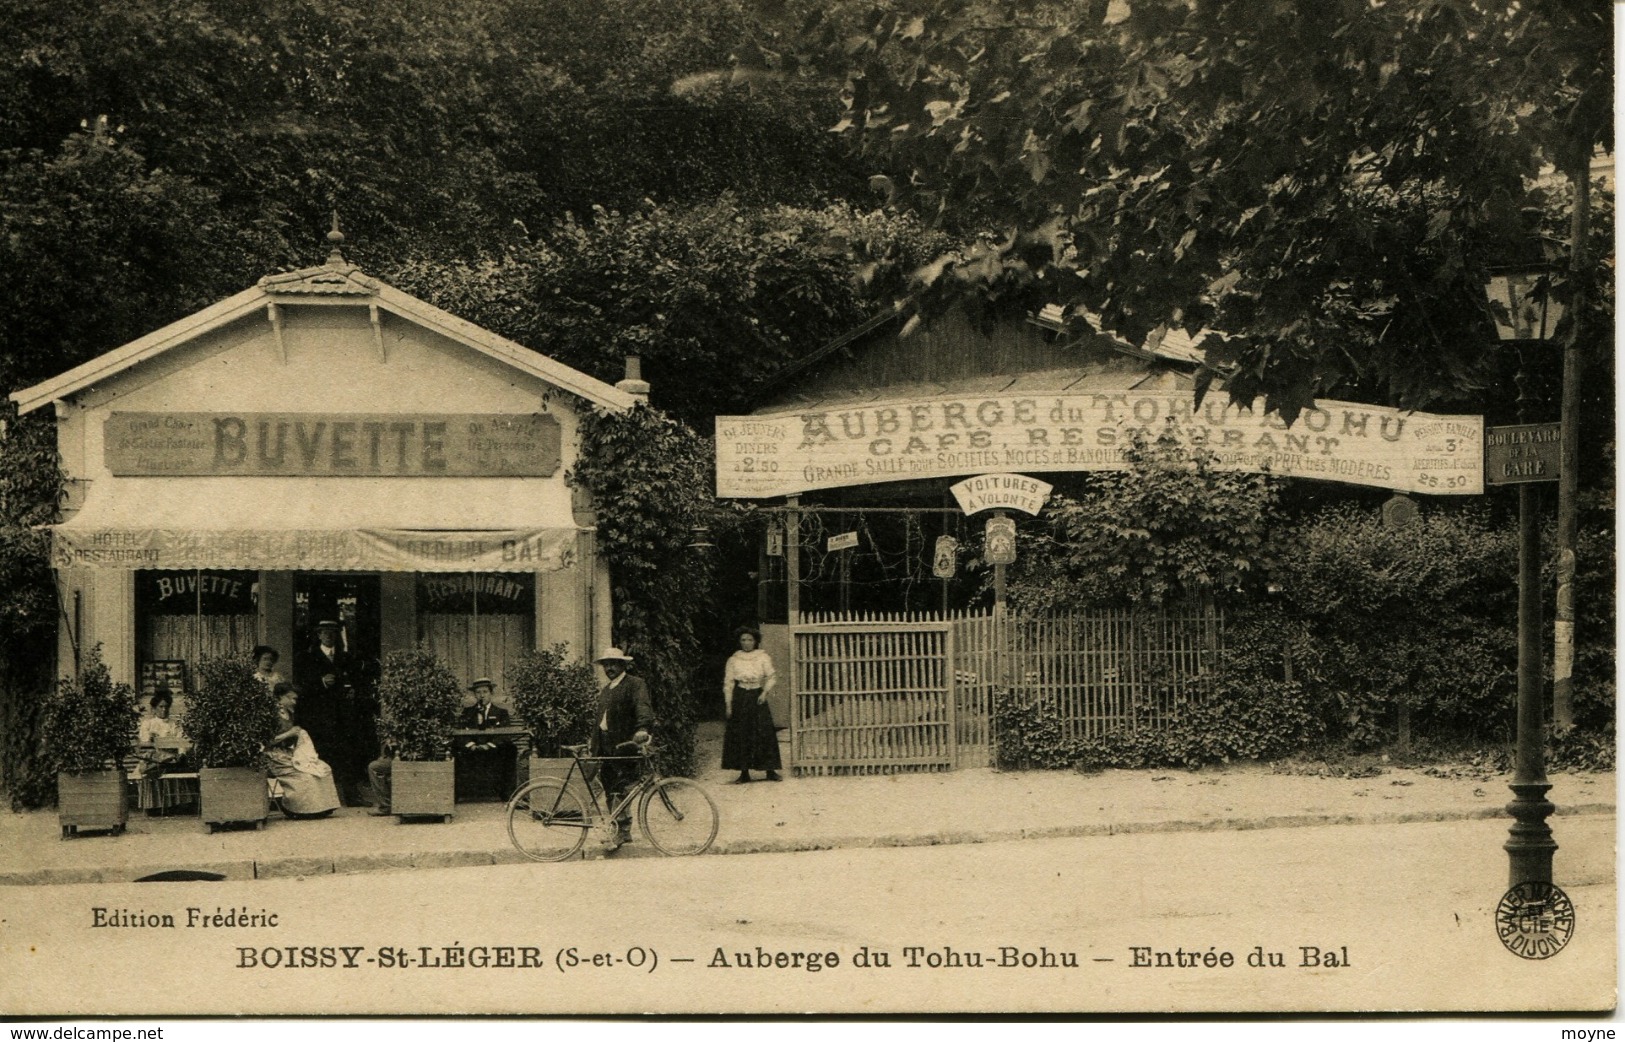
(333, 279)
(336, 282)
(1173, 345)
(1114, 375)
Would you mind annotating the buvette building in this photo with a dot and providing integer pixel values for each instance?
(322, 445)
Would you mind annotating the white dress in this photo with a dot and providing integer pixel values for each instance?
(306, 780)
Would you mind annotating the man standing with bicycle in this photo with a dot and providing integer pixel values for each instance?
(624, 715)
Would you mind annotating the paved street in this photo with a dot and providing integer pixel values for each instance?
(1409, 907)
(805, 814)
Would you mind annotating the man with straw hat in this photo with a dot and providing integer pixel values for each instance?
(324, 676)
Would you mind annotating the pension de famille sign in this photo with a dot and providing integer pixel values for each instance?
(785, 453)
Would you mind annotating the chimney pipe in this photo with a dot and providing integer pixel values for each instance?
(634, 383)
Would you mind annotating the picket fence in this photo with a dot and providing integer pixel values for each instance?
(874, 693)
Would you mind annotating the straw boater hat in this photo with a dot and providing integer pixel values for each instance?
(328, 624)
(482, 682)
(613, 655)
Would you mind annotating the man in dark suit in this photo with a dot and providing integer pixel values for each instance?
(485, 768)
(325, 675)
(624, 715)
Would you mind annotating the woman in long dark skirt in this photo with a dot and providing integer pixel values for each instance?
(751, 742)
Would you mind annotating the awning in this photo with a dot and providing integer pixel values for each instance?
(310, 549)
(394, 525)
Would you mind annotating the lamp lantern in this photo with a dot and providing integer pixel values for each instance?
(1523, 302)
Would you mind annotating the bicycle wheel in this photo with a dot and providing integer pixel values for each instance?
(678, 817)
(547, 822)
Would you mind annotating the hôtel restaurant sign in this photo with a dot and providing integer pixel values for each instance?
(785, 453)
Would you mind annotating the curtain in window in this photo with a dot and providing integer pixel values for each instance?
(478, 646)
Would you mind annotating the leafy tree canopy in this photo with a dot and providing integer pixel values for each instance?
(1326, 181)
(713, 297)
(1171, 530)
(443, 125)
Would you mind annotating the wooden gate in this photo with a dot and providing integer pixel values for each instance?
(872, 697)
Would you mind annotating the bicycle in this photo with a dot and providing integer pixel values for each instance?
(548, 821)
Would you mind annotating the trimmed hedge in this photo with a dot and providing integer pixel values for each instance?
(89, 723)
(231, 715)
(419, 699)
(555, 698)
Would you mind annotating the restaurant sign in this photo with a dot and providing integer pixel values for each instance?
(781, 454)
(376, 550)
(260, 444)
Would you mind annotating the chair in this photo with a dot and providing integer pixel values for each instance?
(174, 788)
(139, 794)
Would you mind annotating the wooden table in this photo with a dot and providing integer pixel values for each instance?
(512, 733)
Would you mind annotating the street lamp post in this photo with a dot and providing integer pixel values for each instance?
(1525, 310)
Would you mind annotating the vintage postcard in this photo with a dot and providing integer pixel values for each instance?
(1091, 507)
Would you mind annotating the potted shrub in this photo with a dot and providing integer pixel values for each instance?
(229, 718)
(418, 702)
(89, 727)
(556, 699)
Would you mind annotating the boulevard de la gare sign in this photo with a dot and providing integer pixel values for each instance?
(794, 451)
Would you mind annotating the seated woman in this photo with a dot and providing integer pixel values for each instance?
(307, 782)
(154, 727)
(157, 750)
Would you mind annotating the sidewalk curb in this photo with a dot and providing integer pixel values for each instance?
(294, 867)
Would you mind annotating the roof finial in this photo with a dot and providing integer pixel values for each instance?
(335, 237)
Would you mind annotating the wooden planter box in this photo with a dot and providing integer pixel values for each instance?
(233, 794)
(91, 800)
(423, 788)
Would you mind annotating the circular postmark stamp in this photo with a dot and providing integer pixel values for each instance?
(1535, 920)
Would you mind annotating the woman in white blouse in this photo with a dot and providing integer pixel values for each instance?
(751, 742)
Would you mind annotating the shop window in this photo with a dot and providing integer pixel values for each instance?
(477, 622)
(183, 617)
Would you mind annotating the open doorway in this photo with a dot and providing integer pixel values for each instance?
(338, 689)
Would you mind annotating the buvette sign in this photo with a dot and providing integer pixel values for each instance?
(257, 444)
(781, 454)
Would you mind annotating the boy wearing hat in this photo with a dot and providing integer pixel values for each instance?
(483, 713)
(624, 715)
(484, 766)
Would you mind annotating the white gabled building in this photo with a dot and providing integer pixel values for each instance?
(322, 445)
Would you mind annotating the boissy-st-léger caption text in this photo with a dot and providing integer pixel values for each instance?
(646, 959)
